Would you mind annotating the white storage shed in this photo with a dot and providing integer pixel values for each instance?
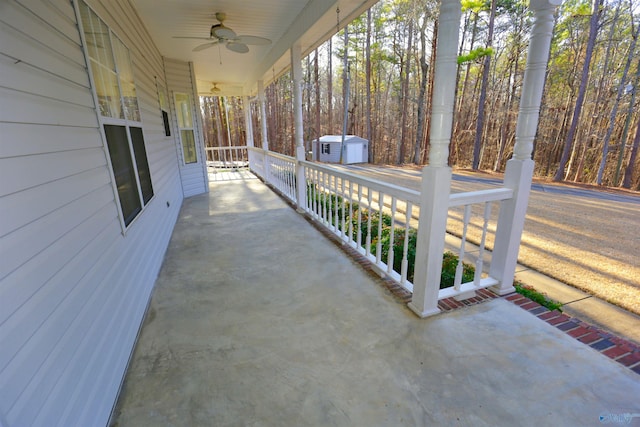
(327, 149)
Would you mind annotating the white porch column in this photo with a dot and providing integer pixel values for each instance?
(263, 129)
(263, 115)
(519, 170)
(436, 177)
(248, 125)
(296, 72)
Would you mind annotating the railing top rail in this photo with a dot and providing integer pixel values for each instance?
(274, 154)
(233, 147)
(407, 194)
(480, 196)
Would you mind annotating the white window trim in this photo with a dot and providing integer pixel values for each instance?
(103, 120)
(192, 129)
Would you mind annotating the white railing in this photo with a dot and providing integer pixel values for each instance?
(256, 162)
(275, 169)
(357, 210)
(473, 210)
(281, 173)
(234, 157)
(380, 220)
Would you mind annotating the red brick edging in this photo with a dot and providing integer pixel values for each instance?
(616, 348)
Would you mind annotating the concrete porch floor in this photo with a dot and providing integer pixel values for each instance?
(258, 320)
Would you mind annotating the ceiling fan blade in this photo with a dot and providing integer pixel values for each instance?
(192, 38)
(253, 40)
(238, 47)
(204, 46)
(221, 31)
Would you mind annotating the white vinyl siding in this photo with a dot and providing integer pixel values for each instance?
(180, 79)
(73, 288)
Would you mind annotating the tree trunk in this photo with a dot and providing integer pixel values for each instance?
(628, 173)
(330, 89)
(307, 128)
(614, 111)
(625, 132)
(593, 31)
(511, 96)
(345, 89)
(368, 86)
(405, 97)
(483, 91)
(462, 114)
(424, 75)
(432, 69)
(316, 78)
(594, 128)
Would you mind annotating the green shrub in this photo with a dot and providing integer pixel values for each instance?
(335, 202)
(449, 265)
(539, 297)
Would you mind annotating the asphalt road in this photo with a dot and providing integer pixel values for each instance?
(411, 178)
(587, 238)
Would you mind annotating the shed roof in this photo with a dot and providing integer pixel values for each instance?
(338, 138)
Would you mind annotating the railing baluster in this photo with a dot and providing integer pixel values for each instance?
(350, 226)
(379, 239)
(359, 222)
(281, 177)
(344, 209)
(294, 183)
(463, 243)
(310, 185)
(320, 192)
(316, 195)
(284, 167)
(290, 182)
(336, 207)
(324, 198)
(405, 250)
(391, 236)
(369, 215)
(480, 261)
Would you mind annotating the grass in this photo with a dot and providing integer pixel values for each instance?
(539, 297)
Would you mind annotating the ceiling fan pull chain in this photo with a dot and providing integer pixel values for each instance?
(337, 19)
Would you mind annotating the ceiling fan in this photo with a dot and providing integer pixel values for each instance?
(215, 90)
(221, 34)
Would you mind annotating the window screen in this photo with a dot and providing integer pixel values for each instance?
(123, 171)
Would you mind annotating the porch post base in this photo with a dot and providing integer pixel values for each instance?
(422, 314)
(503, 291)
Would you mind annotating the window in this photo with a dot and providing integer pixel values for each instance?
(164, 107)
(113, 82)
(123, 170)
(325, 149)
(185, 124)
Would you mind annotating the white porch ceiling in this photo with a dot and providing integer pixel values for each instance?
(285, 22)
